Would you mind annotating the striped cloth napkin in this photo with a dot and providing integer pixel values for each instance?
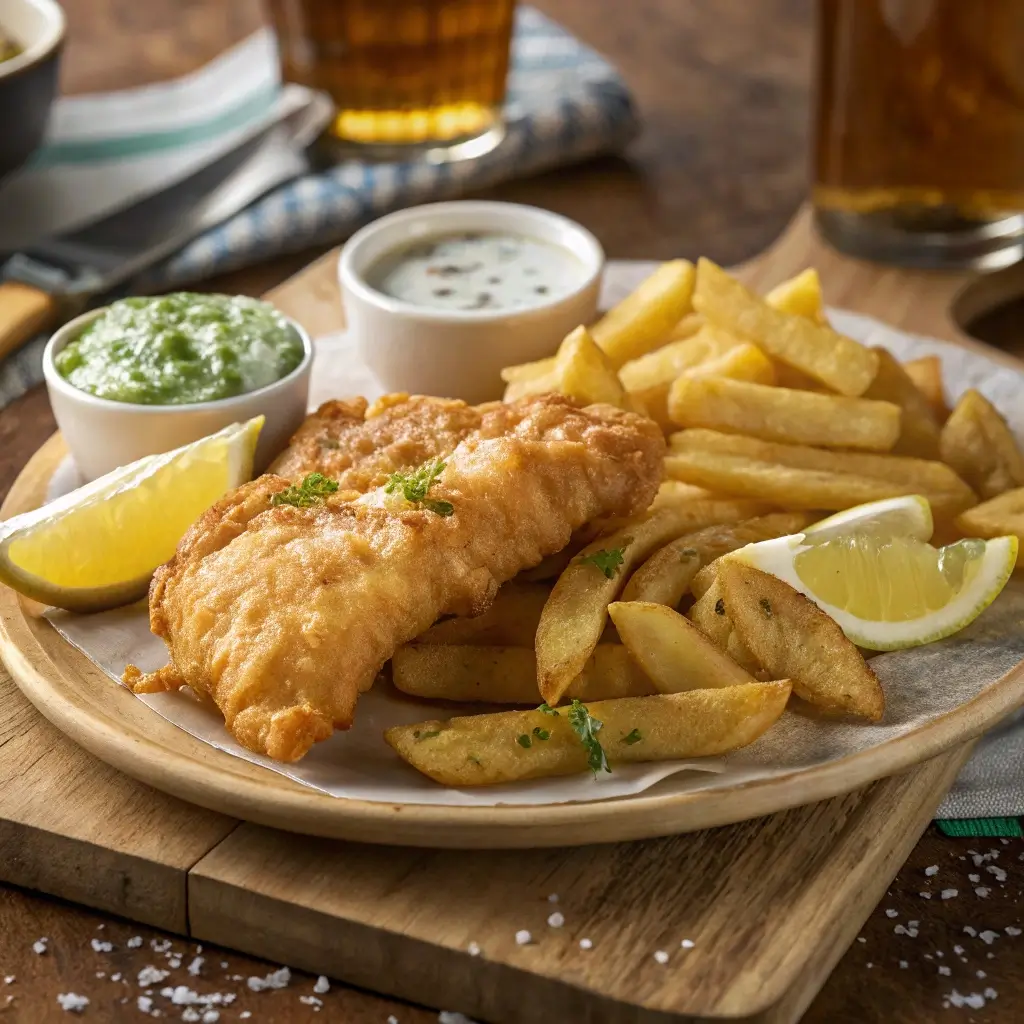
(565, 104)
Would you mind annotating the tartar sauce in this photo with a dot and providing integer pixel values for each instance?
(478, 271)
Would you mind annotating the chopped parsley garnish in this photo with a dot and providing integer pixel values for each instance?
(541, 734)
(766, 607)
(633, 737)
(720, 607)
(547, 710)
(313, 489)
(417, 735)
(414, 487)
(524, 741)
(586, 728)
(608, 561)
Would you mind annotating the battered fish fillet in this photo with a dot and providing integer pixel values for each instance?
(283, 615)
(361, 445)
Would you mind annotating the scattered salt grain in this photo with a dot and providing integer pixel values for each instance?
(71, 1002)
(869, 965)
(224, 965)
(196, 966)
(190, 1015)
(174, 961)
(116, 977)
(988, 937)
(998, 872)
(323, 985)
(101, 974)
(944, 970)
(311, 1001)
(276, 979)
(100, 946)
(160, 945)
(991, 993)
(892, 913)
(392, 1019)
(452, 1017)
(144, 1003)
(958, 950)
(473, 949)
(904, 965)
(586, 944)
(1011, 930)
(39, 946)
(932, 870)
(246, 1014)
(982, 891)
(686, 944)
(925, 895)
(974, 878)
(975, 1000)
(661, 956)
(948, 894)
(150, 975)
(523, 937)
(556, 920)
(134, 942)
(860, 938)
(990, 956)
(980, 974)
(553, 897)
(968, 930)
(9, 979)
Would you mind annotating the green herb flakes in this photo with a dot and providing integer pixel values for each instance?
(541, 734)
(314, 489)
(633, 737)
(524, 741)
(430, 734)
(414, 488)
(607, 561)
(586, 728)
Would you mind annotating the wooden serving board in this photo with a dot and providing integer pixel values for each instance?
(771, 904)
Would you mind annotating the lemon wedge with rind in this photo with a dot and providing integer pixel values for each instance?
(97, 547)
(883, 584)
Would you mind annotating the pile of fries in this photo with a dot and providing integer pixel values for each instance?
(664, 649)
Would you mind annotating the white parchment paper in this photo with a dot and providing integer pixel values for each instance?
(920, 685)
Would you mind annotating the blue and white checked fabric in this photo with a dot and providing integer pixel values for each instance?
(565, 104)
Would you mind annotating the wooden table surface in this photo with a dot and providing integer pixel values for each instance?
(723, 89)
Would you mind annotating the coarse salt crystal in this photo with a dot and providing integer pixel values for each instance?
(451, 1017)
(686, 944)
(968, 930)
(276, 979)
(224, 965)
(556, 920)
(974, 878)
(661, 956)
(134, 942)
(586, 944)
(144, 1003)
(553, 897)
(860, 938)
(190, 1015)
(174, 961)
(948, 894)
(982, 891)
(196, 966)
(116, 977)
(9, 979)
(71, 1002)
(991, 993)
(323, 985)
(988, 937)
(998, 872)
(904, 965)
(980, 974)
(1011, 930)
(943, 969)
(311, 1001)
(925, 895)
(869, 965)
(523, 937)
(39, 946)
(392, 1019)
(932, 870)
(473, 949)
(892, 913)
(101, 974)
(101, 947)
(958, 950)
(160, 945)
(246, 1014)
(151, 976)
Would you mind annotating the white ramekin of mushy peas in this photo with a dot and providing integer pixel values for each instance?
(440, 297)
(146, 375)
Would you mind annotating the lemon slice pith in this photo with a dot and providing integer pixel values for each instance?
(872, 570)
(97, 547)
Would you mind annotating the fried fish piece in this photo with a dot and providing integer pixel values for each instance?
(282, 615)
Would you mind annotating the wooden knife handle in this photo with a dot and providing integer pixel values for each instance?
(24, 312)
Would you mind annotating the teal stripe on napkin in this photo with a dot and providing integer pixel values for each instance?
(990, 828)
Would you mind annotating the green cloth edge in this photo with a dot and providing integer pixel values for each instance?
(991, 827)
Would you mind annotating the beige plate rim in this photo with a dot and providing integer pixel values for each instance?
(106, 719)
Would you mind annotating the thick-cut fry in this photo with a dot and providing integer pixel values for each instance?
(708, 614)
(550, 567)
(744, 362)
(926, 373)
(798, 476)
(511, 746)
(783, 414)
(663, 365)
(528, 371)
(998, 517)
(575, 614)
(668, 573)
(644, 319)
(508, 675)
(919, 430)
(675, 492)
(839, 362)
(690, 324)
(790, 635)
(800, 296)
(978, 444)
(673, 652)
(510, 621)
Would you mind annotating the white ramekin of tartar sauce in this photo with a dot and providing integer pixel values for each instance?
(440, 297)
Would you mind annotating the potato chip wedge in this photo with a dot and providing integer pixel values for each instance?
(979, 445)
(998, 517)
(744, 362)
(511, 746)
(645, 318)
(708, 614)
(690, 324)
(919, 429)
(528, 371)
(575, 614)
(789, 634)
(841, 363)
(508, 675)
(783, 414)
(800, 296)
(664, 364)
(673, 652)
(665, 577)
(511, 620)
(675, 492)
(926, 373)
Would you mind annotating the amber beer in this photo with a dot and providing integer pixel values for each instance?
(402, 73)
(919, 143)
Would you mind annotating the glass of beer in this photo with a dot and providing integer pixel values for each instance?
(406, 76)
(919, 135)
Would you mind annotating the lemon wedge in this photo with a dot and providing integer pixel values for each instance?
(97, 547)
(872, 569)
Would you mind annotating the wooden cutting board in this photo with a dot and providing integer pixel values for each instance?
(770, 904)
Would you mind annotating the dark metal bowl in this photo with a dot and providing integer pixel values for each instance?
(28, 82)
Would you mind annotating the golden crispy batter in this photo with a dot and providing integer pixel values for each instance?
(361, 445)
(283, 615)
